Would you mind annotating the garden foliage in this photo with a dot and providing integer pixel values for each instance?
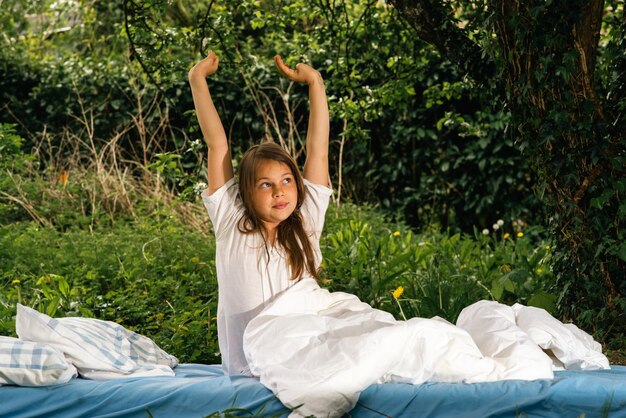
(558, 66)
(101, 158)
(409, 132)
(149, 264)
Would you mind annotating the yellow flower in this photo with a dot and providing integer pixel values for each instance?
(396, 234)
(398, 292)
(520, 234)
(506, 236)
(194, 260)
(539, 271)
(16, 282)
(548, 247)
(506, 268)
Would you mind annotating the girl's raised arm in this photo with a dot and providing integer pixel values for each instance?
(219, 163)
(316, 163)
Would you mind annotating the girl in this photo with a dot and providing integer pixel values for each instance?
(318, 350)
(268, 224)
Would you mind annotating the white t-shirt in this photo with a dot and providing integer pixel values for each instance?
(247, 282)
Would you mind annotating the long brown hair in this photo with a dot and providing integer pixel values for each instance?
(290, 233)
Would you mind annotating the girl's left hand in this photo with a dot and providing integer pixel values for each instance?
(302, 74)
(206, 67)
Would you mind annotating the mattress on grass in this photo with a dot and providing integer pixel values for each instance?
(200, 390)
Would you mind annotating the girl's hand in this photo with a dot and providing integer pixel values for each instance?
(302, 74)
(206, 67)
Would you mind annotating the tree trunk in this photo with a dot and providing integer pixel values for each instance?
(573, 137)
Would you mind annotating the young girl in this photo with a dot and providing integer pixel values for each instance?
(318, 350)
(268, 224)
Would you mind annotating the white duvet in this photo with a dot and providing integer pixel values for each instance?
(318, 350)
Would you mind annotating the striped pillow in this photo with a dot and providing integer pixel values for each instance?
(25, 363)
(99, 349)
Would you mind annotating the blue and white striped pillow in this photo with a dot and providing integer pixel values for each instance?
(25, 363)
(99, 349)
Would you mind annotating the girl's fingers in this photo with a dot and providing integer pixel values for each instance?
(285, 69)
(205, 67)
(211, 57)
(282, 68)
(303, 73)
(279, 61)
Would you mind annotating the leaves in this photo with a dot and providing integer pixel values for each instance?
(103, 274)
(440, 273)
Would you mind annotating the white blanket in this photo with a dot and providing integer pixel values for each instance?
(318, 350)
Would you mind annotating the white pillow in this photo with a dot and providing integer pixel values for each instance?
(26, 363)
(99, 349)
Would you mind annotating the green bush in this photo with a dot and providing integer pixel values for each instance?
(14, 165)
(156, 277)
(411, 135)
(439, 273)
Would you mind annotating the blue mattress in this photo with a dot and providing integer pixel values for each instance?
(200, 390)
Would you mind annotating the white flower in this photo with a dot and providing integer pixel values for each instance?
(500, 222)
(495, 227)
(195, 146)
(199, 187)
(485, 231)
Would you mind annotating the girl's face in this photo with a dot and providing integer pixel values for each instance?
(274, 194)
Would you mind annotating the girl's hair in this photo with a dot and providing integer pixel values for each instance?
(290, 233)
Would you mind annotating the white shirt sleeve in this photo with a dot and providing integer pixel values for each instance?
(314, 207)
(224, 207)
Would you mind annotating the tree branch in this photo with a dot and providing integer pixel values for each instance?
(433, 24)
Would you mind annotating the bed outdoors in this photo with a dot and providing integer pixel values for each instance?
(199, 390)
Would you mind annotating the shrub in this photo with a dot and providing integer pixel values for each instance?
(155, 277)
(440, 273)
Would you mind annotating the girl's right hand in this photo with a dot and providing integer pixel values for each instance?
(206, 67)
(303, 73)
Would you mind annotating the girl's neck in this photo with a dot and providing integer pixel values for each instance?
(270, 234)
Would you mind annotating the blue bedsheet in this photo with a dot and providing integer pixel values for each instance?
(200, 390)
